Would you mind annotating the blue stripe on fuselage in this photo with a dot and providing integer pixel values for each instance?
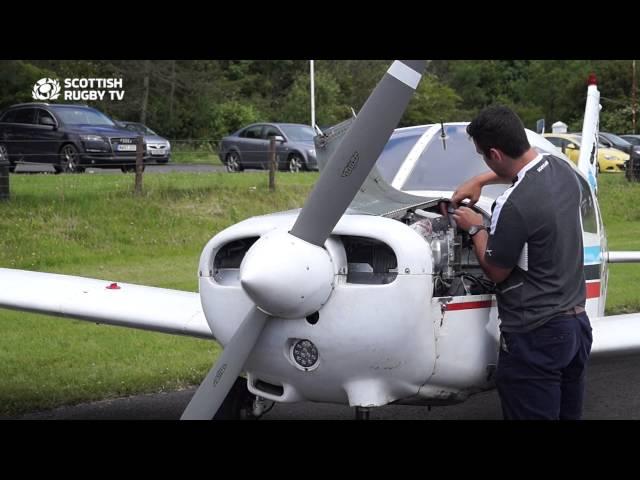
(592, 255)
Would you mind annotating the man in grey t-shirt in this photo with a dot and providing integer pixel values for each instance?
(533, 252)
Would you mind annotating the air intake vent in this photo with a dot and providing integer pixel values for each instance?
(369, 261)
(226, 264)
(271, 389)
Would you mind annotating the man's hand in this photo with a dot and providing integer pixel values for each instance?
(465, 217)
(470, 189)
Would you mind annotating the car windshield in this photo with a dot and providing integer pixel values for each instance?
(578, 141)
(616, 140)
(83, 116)
(298, 133)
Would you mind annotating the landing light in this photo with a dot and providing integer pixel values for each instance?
(304, 354)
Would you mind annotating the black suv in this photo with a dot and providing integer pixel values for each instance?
(70, 137)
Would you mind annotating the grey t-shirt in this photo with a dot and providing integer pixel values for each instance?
(536, 228)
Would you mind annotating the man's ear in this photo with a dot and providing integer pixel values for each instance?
(495, 154)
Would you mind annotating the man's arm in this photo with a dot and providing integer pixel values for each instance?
(472, 188)
(495, 274)
(465, 217)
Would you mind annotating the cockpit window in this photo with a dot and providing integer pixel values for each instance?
(444, 164)
(397, 149)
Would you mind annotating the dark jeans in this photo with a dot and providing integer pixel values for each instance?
(541, 373)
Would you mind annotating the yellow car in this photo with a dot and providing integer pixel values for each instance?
(609, 159)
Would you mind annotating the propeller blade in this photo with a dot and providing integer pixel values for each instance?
(358, 151)
(216, 385)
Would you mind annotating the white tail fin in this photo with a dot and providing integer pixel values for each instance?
(587, 163)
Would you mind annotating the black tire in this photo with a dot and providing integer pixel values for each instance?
(4, 155)
(238, 404)
(295, 163)
(232, 162)
(69, 160)
(130, 168)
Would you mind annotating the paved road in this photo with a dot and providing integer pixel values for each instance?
(613, 393)
(44, 168)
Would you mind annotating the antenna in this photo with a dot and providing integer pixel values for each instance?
(443, 135)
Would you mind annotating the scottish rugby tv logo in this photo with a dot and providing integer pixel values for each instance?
(46, 89)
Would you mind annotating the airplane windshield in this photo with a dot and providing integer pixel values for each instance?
(438, 166)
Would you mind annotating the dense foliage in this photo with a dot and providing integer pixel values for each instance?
(203, 100)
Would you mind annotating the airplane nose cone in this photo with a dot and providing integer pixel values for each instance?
(287, 277)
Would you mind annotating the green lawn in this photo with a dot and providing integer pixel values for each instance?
(91, 225)
(620, 206)
(199, 155)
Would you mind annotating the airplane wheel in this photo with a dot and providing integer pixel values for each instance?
(238, 405)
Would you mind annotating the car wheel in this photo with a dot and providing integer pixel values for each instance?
(4, 154)
(130, 168)
(232, 162)
(69, 160)
(295, 163)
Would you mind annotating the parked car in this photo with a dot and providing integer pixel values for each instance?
(70, 137)
(249, 147)
(615, 141)
(633, 166)
(633, 139)
(609, 159)
(158, 149)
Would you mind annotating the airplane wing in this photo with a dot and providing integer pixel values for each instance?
(616, 335)
(101, 301)
(624, 257)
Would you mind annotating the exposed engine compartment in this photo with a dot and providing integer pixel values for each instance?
(456, 268)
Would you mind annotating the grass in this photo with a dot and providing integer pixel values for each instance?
(92, 225)
(620, 207)
(195, 155)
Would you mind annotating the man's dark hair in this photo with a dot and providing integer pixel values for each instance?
(499, 127)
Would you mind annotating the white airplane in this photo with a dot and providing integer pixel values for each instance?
(366, 296)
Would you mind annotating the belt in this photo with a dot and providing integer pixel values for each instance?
(573, 311)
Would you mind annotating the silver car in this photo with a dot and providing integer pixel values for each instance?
(249, 147)
(157, 148)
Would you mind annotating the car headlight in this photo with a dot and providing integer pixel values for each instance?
(91, 138)
(610, 157)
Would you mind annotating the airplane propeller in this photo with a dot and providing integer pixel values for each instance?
(289, 274)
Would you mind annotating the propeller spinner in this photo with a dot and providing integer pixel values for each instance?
(307, 266)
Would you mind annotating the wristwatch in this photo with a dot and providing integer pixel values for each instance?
(473, 229)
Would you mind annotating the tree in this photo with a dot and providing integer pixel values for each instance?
(17, 79)
(433, 102)
(296, 106)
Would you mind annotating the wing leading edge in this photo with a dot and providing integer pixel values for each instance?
(100, 301)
